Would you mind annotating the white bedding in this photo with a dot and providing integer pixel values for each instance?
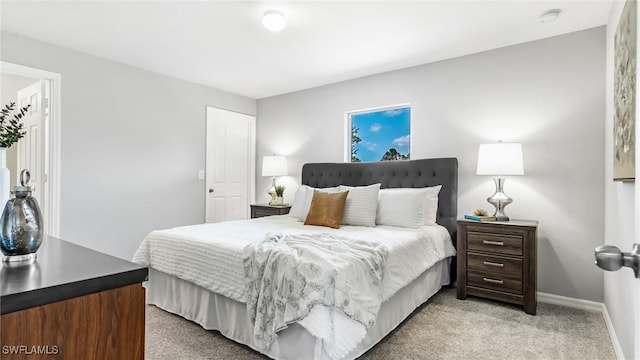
(217, 312)
(210, 256)
(287, 276)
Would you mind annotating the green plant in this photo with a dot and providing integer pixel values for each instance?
(11, 129)
(279, 190)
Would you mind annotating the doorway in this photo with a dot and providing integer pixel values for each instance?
(230, 164)
(39, 150)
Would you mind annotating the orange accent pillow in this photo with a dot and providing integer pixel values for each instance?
(326, 209)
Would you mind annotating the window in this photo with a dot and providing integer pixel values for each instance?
(379, 134)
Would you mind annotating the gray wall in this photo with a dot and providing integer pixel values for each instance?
(132, 144)
(621, 289)
(547, 95)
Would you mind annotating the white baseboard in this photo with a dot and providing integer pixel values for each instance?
(612, 333)
(570, 302)
(588, 306)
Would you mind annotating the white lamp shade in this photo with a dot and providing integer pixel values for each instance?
(274, 166)
(500, 159)
(274, 20)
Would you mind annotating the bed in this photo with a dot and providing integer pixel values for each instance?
(218, 303)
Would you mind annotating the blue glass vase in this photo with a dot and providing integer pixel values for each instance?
(21, 225)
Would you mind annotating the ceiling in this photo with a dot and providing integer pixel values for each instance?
(222, 44)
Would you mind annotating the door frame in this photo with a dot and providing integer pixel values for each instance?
(252, 158)
(53, 129)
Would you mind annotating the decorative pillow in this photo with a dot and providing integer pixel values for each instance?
(308, 196)
(361, 205)
(326, 209)
(297, 205)
(401, 207)
(431, 205)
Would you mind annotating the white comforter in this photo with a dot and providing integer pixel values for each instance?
(210, 255)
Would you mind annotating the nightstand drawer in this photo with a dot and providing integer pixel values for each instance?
(495, 283)
(496, 243)
(495, 265)
(262, 212)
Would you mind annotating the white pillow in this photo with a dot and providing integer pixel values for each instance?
(408, 207)
(431, 205)
(361, 205)
(308, 196)
(403, 207)
(298, 202)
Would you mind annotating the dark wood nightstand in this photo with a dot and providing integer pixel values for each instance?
(498, 260)
(261, 210)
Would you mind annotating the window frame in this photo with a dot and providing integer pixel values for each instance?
(348, 125)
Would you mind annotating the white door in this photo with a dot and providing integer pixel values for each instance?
(230, 163)
(31, 149)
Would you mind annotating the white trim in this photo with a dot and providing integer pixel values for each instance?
(252, 166)
(347, 137)
(617, 348)
(379, 108)
(570, 302)
(588, 306)
(53, 173)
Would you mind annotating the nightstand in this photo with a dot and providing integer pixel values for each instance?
(498, 260)
(261, 210)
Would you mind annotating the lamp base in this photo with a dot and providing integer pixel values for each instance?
(272, 191)
(500, 200)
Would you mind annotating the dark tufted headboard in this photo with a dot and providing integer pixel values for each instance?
(393, 174)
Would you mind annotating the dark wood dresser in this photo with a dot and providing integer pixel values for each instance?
(498, 260)
(72, 303)
(261, 210)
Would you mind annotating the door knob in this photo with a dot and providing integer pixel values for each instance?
(211, 190)
(610, 258)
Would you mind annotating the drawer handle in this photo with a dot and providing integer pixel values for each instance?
(493, 264)
(494, 281)
(496, 243)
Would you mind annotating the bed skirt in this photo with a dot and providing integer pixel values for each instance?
(217, 312)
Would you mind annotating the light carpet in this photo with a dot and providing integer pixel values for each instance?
(443, 328)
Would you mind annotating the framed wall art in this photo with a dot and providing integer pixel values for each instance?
(624, 142)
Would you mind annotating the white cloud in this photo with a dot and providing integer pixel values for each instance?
(402, 140)
(369, 145)
(375, 127)
(392, 113)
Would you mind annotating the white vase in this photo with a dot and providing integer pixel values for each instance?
(5, 177)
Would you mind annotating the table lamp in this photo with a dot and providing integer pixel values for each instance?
(274, 166)
(499, 160)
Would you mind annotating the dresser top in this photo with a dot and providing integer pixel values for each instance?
(62, 271)
(283, 206)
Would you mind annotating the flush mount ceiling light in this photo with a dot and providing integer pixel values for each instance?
(274, 20)
(549, 16)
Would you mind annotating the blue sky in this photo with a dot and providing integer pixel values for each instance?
(382, 130)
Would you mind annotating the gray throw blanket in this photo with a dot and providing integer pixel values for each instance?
(286, 275)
